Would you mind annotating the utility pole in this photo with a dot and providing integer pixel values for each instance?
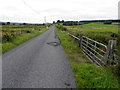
(45, 22)
(45, 19)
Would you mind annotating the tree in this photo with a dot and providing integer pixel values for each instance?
(8, 23)
(53, 22)
(58, 21)
(24, 23)
(62, 21)
(3, 23)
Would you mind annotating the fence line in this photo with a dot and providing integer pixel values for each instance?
(97, 52)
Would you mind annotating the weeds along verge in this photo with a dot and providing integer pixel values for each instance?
(104, 38)
(86, 74)
(8, 36)
(13, 35)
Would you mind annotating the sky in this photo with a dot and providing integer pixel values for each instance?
(35, 11)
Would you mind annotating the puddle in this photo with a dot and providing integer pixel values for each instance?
(53, 43)
(67, 84)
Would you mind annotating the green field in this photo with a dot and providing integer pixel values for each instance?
(94, 27)
(14, 35)
(97, 31)
(88, 75)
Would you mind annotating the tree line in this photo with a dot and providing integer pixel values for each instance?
(71, 23)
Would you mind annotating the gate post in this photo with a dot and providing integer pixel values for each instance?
(110, 54)
(80, 42)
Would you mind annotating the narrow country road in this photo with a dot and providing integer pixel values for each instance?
(38, 63)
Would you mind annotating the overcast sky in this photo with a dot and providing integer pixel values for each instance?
(34, 11)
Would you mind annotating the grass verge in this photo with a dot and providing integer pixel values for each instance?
(19, 40)
(86, 74)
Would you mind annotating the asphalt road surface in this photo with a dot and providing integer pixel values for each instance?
(38, 63)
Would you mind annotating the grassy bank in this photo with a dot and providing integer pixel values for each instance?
(86, 74)
(11, 37)
(19, 40)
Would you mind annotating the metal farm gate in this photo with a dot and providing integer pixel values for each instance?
(97, 52)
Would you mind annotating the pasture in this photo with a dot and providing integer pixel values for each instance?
(97, 31)
(13, 35)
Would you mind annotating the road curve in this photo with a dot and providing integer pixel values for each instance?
(38, 63)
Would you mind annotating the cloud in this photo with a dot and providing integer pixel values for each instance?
(34, 11)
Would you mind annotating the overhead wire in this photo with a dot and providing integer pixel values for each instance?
(30, 7)
(33, 9)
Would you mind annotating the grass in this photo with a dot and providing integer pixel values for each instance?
(0, 48)
(7, 46)
(17, 40)
(94, 27)
(90, 76)
(86, 74)
(21, 27)
(96, 31)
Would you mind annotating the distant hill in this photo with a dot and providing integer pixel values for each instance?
(12, 22)
(18, 23)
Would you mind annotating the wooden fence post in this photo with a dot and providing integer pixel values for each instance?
(80, 42)
(110, 54)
